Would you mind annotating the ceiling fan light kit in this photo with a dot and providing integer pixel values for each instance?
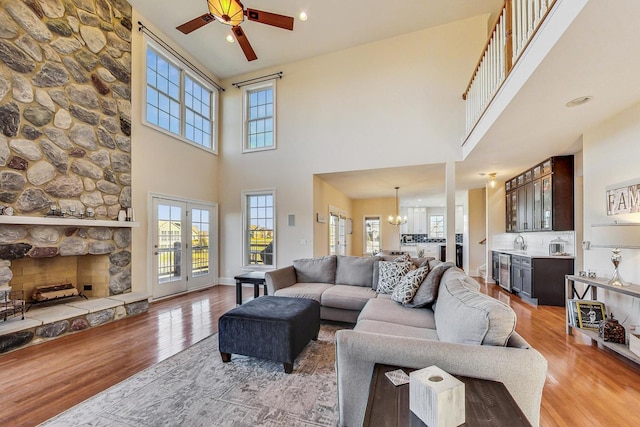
(232, 12)
(229, 12)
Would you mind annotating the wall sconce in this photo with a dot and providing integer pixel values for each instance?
(616, 236)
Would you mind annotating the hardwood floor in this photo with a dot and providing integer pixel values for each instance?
(586, 385)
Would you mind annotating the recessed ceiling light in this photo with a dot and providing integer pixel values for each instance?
(303, 16)
(579, 101)
(230, 38)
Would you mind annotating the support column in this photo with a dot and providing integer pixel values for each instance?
(450, 189)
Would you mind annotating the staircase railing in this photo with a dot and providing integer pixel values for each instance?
(509, 37)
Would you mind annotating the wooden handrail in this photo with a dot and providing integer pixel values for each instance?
(486, 45)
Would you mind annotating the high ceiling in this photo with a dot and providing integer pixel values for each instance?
(598, 55)
(332, 25)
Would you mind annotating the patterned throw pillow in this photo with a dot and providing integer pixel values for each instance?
(409, 284)
(389, 275)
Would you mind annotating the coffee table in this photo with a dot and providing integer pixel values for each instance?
(487, 403)
(256, 278)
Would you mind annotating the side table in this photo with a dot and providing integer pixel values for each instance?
(256, 278)
(487, 403)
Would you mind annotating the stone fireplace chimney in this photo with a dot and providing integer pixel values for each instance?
(65, 132)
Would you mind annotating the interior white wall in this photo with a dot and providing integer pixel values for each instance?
(390, 103)
(610, 156)
(160, 164)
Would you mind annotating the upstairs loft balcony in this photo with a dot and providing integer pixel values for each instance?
(510, 36)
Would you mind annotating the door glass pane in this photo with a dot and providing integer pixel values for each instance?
(372, 235)
(546, 203)
(199, 242)
(169, 242)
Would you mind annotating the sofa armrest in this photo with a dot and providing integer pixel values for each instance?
(280, 278)
(522, 371)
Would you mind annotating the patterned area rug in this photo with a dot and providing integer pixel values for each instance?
(194, 388)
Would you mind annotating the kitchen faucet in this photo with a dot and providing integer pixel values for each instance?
(519, 244)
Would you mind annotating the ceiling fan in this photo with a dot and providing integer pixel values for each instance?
(232, 12)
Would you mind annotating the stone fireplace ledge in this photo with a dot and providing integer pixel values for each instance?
(45, 323)
(71, 222)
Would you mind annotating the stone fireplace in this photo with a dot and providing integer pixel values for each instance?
(96, 260)
(65, 147)
(65, 138)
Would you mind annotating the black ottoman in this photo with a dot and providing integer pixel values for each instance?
(269, 327)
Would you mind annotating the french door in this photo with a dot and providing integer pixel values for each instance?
(184, 247)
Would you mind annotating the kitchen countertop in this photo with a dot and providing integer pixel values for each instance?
(532, 254)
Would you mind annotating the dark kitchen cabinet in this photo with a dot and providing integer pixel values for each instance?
(540, 280)
(521, 275)
(541, 199)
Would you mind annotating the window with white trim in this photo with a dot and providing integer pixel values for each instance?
(177, 102)
(259, 213)
(436, 226)
(260, 116)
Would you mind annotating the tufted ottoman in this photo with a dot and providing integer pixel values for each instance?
(269, 327)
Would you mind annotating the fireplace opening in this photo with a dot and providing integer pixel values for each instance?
(88, 275)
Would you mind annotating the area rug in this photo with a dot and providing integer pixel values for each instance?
(194, 388)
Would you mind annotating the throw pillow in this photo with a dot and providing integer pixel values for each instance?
(390, 273)
(409, 284)
(428, 290)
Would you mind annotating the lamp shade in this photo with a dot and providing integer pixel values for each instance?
(616, 235)
(230, 12)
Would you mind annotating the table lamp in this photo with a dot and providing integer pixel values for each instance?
(616, 236)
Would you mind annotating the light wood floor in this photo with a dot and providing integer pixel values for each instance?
(586, 385)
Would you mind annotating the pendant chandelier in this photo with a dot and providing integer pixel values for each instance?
(397, 219)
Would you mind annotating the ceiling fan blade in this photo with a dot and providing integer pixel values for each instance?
(244, 43)
(196, 23)
(269, 18)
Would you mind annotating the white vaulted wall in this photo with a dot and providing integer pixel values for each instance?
(390, 103)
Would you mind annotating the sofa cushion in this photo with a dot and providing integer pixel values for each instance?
(355, 270)
(395, 329)
(422, 262)
(316, 270)
(347, 297)
(304, 290)
(409, 284)
(469, 317)
(390, 273)
(428, 290)
(387, 310)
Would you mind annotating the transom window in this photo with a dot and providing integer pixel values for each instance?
(177, 102)
(260, 117)
(259, 228)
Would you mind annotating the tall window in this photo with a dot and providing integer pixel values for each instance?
(260, 116)
(371, 235)
(177, 102)
(259, 228)
(436, 226)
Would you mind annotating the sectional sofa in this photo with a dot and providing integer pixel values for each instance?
(447, 323)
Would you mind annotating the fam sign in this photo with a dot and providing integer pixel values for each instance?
(623, 198)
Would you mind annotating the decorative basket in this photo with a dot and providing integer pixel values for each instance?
(612, 331)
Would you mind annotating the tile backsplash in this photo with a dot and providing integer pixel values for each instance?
(537, 242)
